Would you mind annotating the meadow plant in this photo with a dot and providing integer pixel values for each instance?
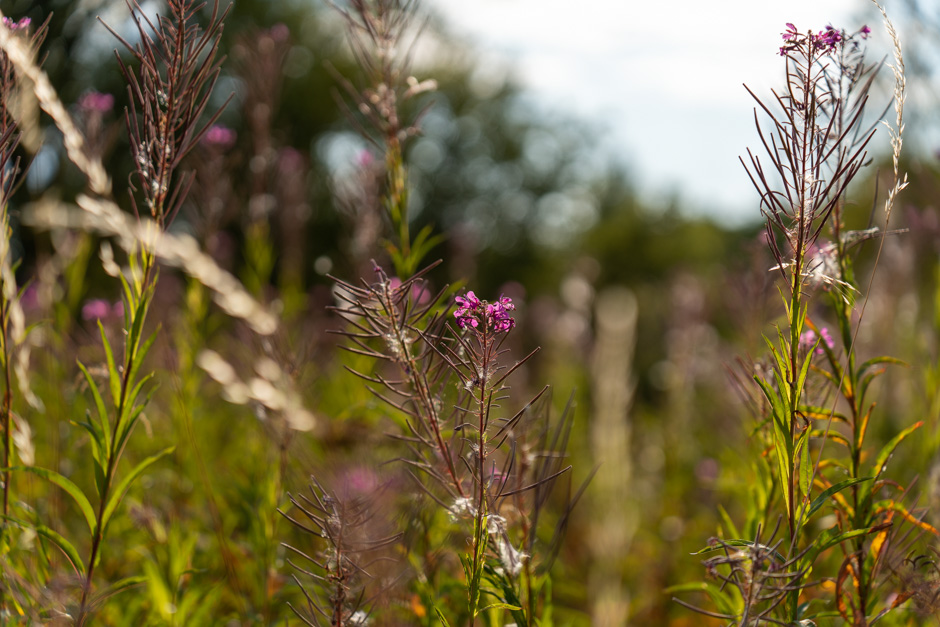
(822, 488)
(487, 469)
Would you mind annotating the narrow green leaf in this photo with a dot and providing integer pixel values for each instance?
(66, 484)
(57, 539)
(132, 397)
(104, 421)
(814, 412)
(114, 377)
(128, 427)
(500, 606)
(119, 586)
(723, 602)
(118, 493)
(719, 546)
(820, 500)
(829, 538)
(728, 523)
(440, 617)
(140, 355)
(95, 432)
(129, 298)
(806, 465)
(888, 449)
(133, 338)
(804, 370)
(876, 361)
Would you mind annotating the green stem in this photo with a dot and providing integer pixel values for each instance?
(114, 453)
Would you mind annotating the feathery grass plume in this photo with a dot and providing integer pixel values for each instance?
(14, 351)
(378, 31)
(273, 389)
(12, 321)
(22, 57)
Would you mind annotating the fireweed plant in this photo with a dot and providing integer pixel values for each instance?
(486, 470)
(814, 409)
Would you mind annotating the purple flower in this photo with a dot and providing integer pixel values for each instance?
(101, 309)
(12, 25)
(219, 137)
(828, 39)
(96, 309)
(824, 333)
(473, 312)
(808, 340)
(864, 31)
(96, 102)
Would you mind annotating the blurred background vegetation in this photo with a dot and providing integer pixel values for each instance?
(527, 207)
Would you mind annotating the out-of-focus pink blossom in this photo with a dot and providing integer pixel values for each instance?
(279, 32)
(101, 309)
(219, 137)
(808, 340)
(96, 102)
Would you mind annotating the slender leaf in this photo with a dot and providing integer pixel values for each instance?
(806, 465)
(57, 539)
(118, 494)
(105, 423)
(66, 484)
(440, 617)
(139, 357)
(119, 586)
(820, 500)
(888, 449)
(114, 376)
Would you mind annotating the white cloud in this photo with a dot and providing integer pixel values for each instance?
(664, 77)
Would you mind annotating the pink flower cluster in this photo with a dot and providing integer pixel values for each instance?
(825, 40)
(808, 340)
(473, 312)
(14, 25)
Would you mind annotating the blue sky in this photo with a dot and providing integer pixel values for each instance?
(662, 81)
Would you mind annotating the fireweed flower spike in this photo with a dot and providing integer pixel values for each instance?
(480, 314)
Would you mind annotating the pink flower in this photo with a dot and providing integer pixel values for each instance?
(808, 340)
(219, 137)
(13, 25)
(473, 312)
(96, 102)
(101, 309)
(96, 309)
(828, 39)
